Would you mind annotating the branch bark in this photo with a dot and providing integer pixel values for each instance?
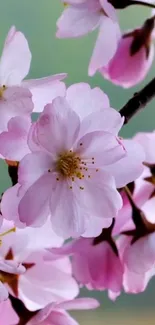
(138, 101)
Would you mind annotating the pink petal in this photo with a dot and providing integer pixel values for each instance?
(59, 123)
(33, 139)
(11, 267)
(34, 206)
(17, 101)
(33, 166)
(147, 141)
(109, 9)
(129, 167)
(95, 226)
(84, 100)
(79, 303)
(100, 195)
(108, 120)
(104, 49)
(13, 143)
(91, 147)
(109, 273)
(135, 282)
(56, 317)
(51, 282)
(10, 211)
(140, 256)
(15, 60)
(67, 213)
(1, 220)
(75, 22)
(44, 90)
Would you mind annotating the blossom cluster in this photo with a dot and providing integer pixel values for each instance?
(73, 177)
(124, 58)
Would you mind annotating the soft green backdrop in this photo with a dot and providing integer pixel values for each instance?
(37, 20)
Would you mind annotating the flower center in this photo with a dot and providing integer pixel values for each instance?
(68, 165)
(2, 89)
(8, 277)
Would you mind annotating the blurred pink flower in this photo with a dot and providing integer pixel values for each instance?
(56, 313)
(139, 254)
(133, 58)
(83, 16)
(43, 281)
(10, 268)
(96, 263)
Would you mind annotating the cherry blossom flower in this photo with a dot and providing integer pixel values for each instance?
(43, 282)
(56, 313)
(133, 58)
(71, 169)
(81, 17)
(15, 95)
(8, 315)
(92, 107)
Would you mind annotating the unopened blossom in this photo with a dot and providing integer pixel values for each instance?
(15, 95)
(81, 17)
(7, 313)
(57, 313)
(133, 58)
(43, 281)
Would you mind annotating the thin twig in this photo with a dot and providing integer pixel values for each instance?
(138, 101)
(145, 4)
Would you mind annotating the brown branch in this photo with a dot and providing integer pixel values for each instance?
(122, 4)
(138, 101)
(23, 313)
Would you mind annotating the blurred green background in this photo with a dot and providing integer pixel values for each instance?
(37, 20)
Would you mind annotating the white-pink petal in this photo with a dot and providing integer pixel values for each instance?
(34, 206)
(60, 124)
(13, 143)
(44, 90)
(75, 22)
(85, 100)
(104, 49)
(129, 167)
(15, 60)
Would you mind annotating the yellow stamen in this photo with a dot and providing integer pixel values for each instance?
(2, 89)
(8, 232)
